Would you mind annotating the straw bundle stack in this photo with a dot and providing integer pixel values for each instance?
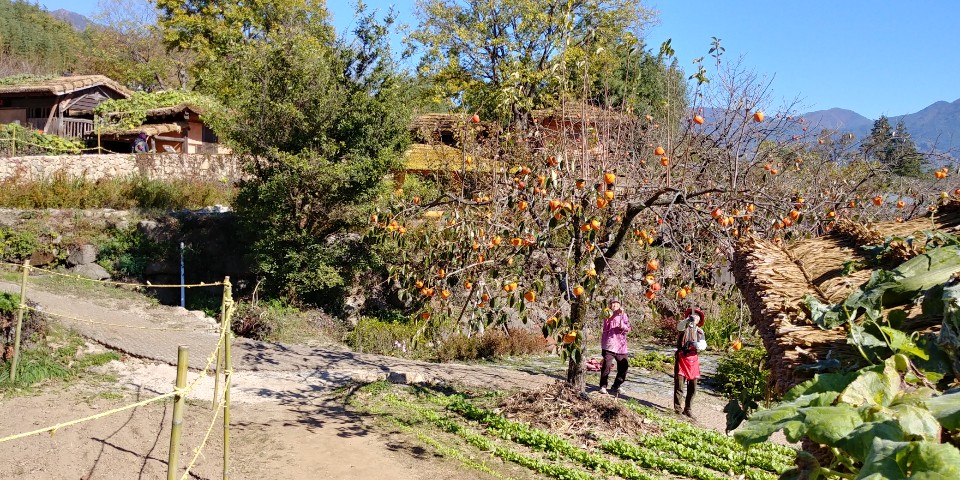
(775, 279)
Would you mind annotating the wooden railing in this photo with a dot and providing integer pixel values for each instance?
(75, 127)
(66, 127)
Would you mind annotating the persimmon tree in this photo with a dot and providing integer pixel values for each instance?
(533, 223)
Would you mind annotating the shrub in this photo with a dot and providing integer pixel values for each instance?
(19, 140)
(34, 323)
(275, 321)
(663, 328)
(725, 325)
(491, 345)
(396, 337)
(743, 375)
(497, 344)
(127, 252)
(17, 244)
(62, 191)
(458, 347)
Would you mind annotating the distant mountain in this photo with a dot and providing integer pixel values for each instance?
(936, 127)
(839, 119)
(76, 20)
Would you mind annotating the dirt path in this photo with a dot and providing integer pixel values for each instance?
(303, 440)
(284, 424)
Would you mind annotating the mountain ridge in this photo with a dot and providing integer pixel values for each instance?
(78, 21)
(935, 127)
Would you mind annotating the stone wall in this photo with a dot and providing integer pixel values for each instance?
(96, 167)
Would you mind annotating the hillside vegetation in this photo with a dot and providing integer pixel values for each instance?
(32, 40)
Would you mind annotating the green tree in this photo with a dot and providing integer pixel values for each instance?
(222, 31)
(905, 159)
(33, 41)
(631, 78)
(322, 120)
(506, 58)
(893, 148)
(874, 147)
(125, 44)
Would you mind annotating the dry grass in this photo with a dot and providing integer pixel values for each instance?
(560, 408)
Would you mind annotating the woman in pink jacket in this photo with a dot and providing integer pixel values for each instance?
(614, 346)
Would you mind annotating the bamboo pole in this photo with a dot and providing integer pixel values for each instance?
(228, 374)
(20, 308)
(176, 427)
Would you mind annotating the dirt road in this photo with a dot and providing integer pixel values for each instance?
(284, 423)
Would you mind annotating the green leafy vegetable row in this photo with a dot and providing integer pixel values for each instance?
(539, 439)
(769, 456)
(653, 459)
(701, 457)
(559, 472)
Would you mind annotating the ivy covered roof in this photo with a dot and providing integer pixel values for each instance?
(130, 113)
(57, 85)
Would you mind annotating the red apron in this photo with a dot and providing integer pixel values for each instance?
(689, 365)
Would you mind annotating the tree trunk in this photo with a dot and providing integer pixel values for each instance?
(575, 373)
(575, 367)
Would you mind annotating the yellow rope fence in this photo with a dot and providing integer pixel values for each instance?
(50, 149)
(106, 324)
(112, 282)
(184, 391)
(53, 428)
(220, 355)
(213, 422)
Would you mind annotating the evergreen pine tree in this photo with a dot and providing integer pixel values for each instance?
(874, 147)
(893, 148)
(904, 158)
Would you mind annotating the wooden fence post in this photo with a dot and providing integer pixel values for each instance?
(177, 426)
(228, 374)
(20, 309)
(223, 321)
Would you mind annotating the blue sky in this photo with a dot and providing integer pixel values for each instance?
(874, 57)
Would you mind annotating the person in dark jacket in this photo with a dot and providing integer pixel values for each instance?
(686, 370)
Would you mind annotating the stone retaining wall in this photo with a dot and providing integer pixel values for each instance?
(96, 167)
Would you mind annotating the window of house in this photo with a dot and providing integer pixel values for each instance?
(38, 112)
(208, 135)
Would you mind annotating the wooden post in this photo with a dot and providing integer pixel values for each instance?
(20, 308)
(96, 125)
(223, 339)
(177, 426)
(228, 374)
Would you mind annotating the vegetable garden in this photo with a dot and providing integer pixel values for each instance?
(604, 438)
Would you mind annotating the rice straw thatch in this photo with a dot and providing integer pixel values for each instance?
(775, 278)
(64, 85)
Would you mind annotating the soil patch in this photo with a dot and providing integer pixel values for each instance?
(282, 427)
(560, 408)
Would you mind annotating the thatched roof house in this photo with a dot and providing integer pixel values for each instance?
(775, 278)
(61, 85)
(169, 128)
(56, 105)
